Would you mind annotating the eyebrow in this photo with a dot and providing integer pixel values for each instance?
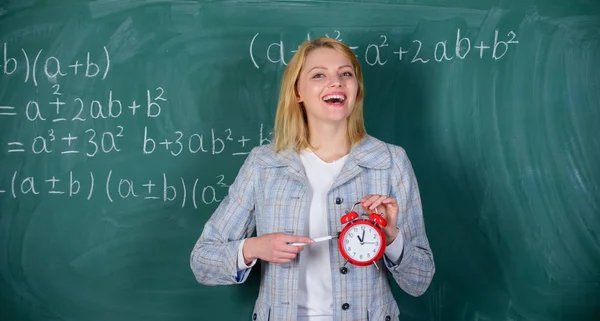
(321, 67)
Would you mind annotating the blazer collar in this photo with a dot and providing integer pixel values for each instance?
(369, 153)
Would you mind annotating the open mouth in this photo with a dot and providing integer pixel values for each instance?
(335, 99)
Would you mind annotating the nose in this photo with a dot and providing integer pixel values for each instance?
(335, 81)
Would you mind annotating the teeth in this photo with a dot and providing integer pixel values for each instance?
(340, 97)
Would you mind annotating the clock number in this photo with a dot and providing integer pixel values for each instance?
(351, 235)
(368, 255)
(361, 256)
(349, 249)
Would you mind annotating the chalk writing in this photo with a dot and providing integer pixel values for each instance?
(83, 109)
(92, 140)
(52, 67)
(209, 142)
(112, 188)
(378, 52)
(112, 139)
(7, 111)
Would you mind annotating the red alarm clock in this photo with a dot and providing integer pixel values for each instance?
(362, 241)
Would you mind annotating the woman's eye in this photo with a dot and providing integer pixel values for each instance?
(318, 76)
(347, 74)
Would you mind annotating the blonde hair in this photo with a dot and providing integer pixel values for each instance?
(291, 128)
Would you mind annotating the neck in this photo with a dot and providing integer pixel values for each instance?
(330, 143)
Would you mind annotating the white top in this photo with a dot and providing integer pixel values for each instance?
(315, 302)
(315, 299)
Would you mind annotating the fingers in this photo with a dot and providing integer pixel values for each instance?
(297, 239)
(280, 249)
(287, 256)
(371, 202)
(389, 200)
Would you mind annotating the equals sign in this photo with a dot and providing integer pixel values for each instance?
(17, 149)
(7, 113)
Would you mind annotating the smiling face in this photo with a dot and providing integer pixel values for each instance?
(301, 101)
(327, 86)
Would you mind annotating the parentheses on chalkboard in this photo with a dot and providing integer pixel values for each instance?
(194, 193)
(91, 185)
(14, 178)
(184, 192)
(34, 67)
(107, 186)
(26, 64)
(107, 63)
(251, 51)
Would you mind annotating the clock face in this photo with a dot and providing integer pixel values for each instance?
(361, 243)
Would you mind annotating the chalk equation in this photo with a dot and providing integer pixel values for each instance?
(80, 109)
(88, 65)
(215, 143)
(92, 142)
(111, 188)
(383, 51)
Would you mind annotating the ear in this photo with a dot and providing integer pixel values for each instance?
(298, 98)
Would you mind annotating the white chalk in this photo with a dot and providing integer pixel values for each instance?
(315, 240)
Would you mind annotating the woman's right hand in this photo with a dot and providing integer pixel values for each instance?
(273, 248)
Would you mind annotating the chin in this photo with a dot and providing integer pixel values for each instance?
(339, 118)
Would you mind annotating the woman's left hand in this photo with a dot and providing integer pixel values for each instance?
(388, 207)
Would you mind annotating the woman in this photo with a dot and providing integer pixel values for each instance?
(320, 164)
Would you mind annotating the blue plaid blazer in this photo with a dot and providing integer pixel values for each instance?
(271, 194)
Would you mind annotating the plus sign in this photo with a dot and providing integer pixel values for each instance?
(166, 143)
(133, 107)
(69, 138)
(53, 181)
(481, 47)
(58, 103)
(243, 141)
(149, 185)
(400, 53)
(76, 66)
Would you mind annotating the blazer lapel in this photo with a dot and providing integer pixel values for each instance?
(348, 172)
(295, 169)
(287, 158)
(369, 153)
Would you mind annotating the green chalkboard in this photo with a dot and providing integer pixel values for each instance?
(123, 122)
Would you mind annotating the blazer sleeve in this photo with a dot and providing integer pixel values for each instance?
(416, 267)
(214, 257)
